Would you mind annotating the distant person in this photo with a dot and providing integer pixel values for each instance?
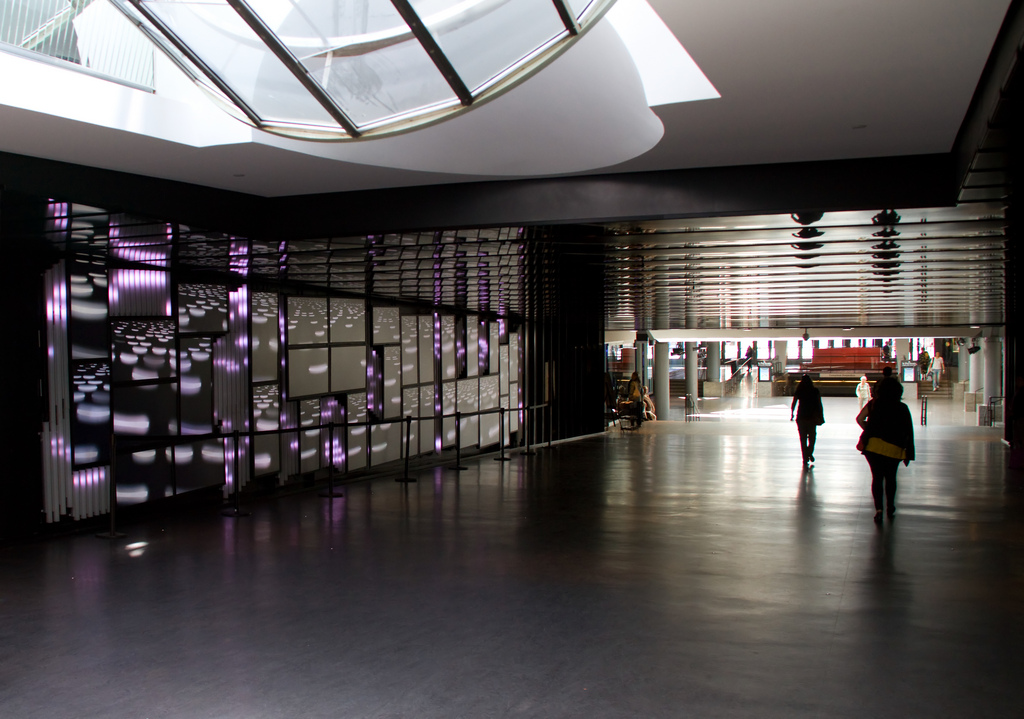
(887, 352)
(863, 392)
(635, 397)
(809, 414)
(924, 360)
(649, 414)
(886, 374)
(888, 439)
(937, 367)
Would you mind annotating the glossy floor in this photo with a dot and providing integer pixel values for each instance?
(685, 570)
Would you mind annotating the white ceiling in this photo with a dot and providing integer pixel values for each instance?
(799, 81)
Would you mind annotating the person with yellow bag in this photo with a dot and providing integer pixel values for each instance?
(887, 440)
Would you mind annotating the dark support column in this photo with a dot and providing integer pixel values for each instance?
(22, 222)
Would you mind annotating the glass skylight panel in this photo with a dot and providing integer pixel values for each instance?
(484, 38)
(362, 53)
(230, 48)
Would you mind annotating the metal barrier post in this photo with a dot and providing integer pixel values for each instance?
(331, 493)
(501, 436)
(112, 533)
(527, 430)
(924, 411)
(236, 510)
(458, 443)
(408, 434)
(550, 432)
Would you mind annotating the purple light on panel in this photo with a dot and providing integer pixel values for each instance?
(370, 394)
(282, 327)
(57, 212)
(238, 257)
(484, 343)
(437, 363)
(139, 293)
(239, 301)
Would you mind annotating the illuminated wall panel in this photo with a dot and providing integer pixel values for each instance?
(139, 293)
(145, 475)
(387, 442)
(503, 369)
(488, 400)
(513, 357)
(196, 383)
(514, 404)
(147, 410)
(56, 434)
(348, 320)
(307, 320)
(411, 408)
(493, 344)
(449, 399)
(426, 340)
(90, 420)
(469, 403)
(410, 350)
(448, 347)
(392, 385)
(266, 410)
(143, 350)
(202, 308)
(357, 436)
(472, 347)
(310, 438)
(348, 369)
(88, 328)
(307, 372)
(386, 324)
(427, 439)
(265, 337)
(198, 465)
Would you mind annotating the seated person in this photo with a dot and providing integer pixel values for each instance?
(648, 406)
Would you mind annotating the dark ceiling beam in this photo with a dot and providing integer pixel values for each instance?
(1001, 64)
(869, 184)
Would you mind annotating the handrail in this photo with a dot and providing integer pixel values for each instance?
(731, 383)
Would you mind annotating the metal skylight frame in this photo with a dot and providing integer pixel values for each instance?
(178, 49)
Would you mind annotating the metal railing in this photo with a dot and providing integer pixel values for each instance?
(126, 444)
(730, 385)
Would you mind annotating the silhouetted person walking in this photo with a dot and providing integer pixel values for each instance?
(809, 414)
(888, 439)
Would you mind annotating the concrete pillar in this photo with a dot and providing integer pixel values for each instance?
(661, 380)
(963, 364)
(691, 370)
(715, 361)
(902, 350)
(639, 353)
(993, 351)
(781, 355)
(977, 371)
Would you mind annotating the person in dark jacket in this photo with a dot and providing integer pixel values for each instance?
(888, 439)
(809, 414)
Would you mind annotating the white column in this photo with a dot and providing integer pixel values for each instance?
(691, 370)
(714, 361)
(902, 349)
(963, 361)
(661, 393)
(993, 351)
(977, 370)
(781, 355)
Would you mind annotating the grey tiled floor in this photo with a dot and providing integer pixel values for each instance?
(684, 570)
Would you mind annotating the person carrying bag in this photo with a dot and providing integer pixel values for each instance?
(887, 440)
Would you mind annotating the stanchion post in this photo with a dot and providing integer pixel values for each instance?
(924, 411)
(408, 435)
(112, 533)
(458, 443)
(550, 433)
(501, 436)
(527, 430)
(236, 511)
(331, 493)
